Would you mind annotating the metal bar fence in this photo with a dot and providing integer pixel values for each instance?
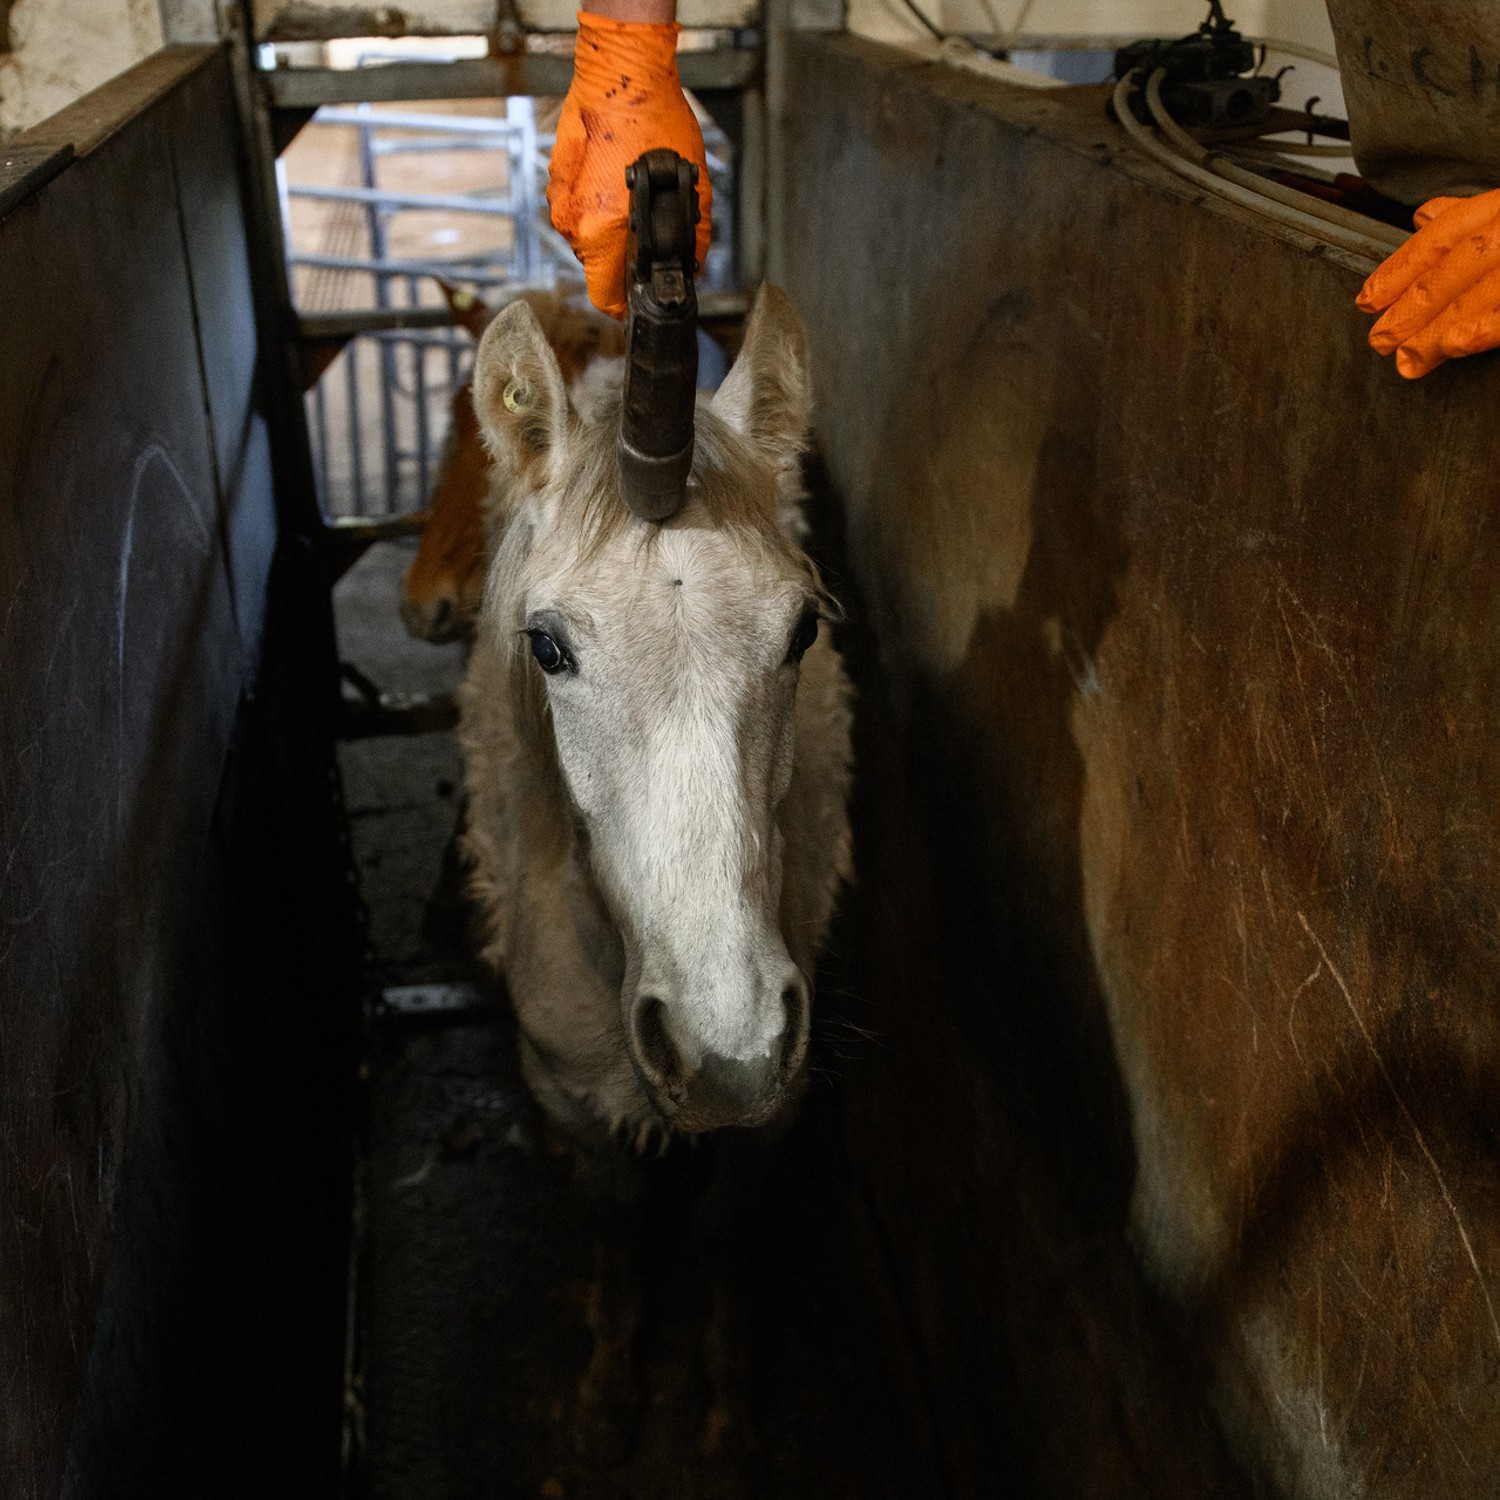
(378, 423)
(380, 458)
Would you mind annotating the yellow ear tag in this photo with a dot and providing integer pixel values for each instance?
(515, 397)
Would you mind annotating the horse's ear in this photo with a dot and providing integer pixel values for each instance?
(470, 311)
(765, 396)
(520, 398)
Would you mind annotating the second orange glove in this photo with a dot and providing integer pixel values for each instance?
(1440, 292)
(626, 98)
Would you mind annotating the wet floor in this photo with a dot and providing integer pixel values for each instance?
(770, 1358)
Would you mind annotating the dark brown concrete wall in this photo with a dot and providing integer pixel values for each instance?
(1178, 841)
(158, 1038)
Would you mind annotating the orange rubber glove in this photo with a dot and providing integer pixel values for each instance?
(1440, 292)
(626, 98)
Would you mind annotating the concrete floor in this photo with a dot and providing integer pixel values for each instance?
(480, 1239)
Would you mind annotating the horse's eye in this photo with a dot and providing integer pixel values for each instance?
(550, 657)
(806, 634)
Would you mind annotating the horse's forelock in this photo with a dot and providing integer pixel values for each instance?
(729, 480)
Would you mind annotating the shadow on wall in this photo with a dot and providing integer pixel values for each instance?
(1025, 596)
(988, 1116)
(217, 1358)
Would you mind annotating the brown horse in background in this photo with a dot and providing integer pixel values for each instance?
(441, 590)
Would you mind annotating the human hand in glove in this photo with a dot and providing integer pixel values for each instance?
(1440, 292)
(626, 98)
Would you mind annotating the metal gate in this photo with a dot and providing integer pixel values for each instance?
(378, 414)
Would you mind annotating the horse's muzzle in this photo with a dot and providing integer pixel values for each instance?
(719, 1091)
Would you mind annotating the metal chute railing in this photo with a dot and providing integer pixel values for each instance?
(378, 415)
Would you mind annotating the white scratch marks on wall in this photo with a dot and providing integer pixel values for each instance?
(1406, 1114)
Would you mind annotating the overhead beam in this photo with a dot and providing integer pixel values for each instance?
(480, 78)
(713, 307)
(323, 20)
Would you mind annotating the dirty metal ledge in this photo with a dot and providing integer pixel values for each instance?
(90, 121)
(25, 169)
(35, 156)
(713, 307)
(481, 78)
(1075, 119)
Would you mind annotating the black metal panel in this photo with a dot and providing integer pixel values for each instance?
(119, 676)
(137, 525)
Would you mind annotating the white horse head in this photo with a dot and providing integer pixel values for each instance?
(655, 671)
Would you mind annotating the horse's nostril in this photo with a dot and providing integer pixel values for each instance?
(794, 1037)
(653, 1046)
(442, 612)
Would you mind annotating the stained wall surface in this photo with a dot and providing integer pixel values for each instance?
(57, 50)
(1178, 839)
